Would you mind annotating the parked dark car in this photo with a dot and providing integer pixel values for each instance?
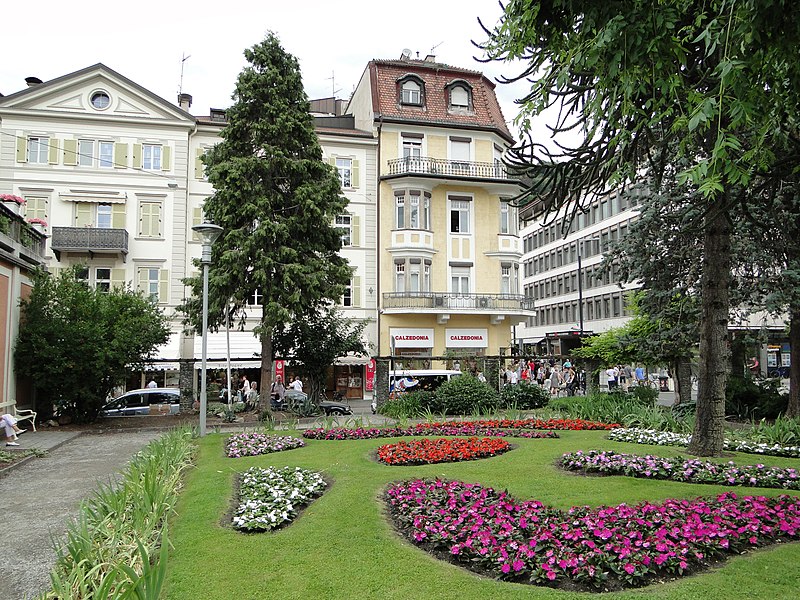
(147, 401)
(293, 398)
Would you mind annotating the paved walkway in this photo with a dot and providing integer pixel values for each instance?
(39, 497)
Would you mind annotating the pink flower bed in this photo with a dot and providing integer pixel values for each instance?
(598, 548)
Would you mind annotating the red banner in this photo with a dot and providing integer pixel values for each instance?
(279, 370)
(370, 375)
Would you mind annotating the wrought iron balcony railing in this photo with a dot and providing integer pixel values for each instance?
(89, 240)
(425, 165)
(449, 301)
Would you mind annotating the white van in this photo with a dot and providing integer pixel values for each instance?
(426, 380)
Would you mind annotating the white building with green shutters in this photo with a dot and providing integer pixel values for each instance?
(114, 171)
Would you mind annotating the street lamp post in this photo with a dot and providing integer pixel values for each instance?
(208, 233)
(580, 293)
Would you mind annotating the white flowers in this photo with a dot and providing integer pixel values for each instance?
(270, 497)
(666, 438)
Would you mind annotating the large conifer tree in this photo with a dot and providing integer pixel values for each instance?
(276, 200)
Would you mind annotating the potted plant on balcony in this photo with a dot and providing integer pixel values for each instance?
(13, 202)
(38, 224)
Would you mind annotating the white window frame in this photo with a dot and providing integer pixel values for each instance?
(400, 276)
(411, 95)
(460, 278)
(426, 276)
(459, 88)
(344, 223)
(508, 218)
(38, 150)
(152, 284)
(347, 297)
(400, 212)
(151, 157)
(461, 209)
(86, 156)
(102, 283)
(255, 298)
(344, 166)
(425, 222)
(413, 211)
(104, 216)
(412, 147)
(105, 155)
(414, 276)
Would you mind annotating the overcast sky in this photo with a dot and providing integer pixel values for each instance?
(146, 42)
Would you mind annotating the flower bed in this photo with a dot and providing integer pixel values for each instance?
(494, 428)
(270, 498)
(254, 444)
(691, 471)
(600, 548)
(427, 451)
(666, 438)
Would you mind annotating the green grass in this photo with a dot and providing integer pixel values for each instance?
(343, 547)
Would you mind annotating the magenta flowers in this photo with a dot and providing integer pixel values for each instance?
(606, 548)
(676, 469)
(422, 429)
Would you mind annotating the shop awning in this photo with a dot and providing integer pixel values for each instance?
(244, 346)
(352, 360)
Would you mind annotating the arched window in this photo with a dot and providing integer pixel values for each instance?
(412, 91)
(459, 97)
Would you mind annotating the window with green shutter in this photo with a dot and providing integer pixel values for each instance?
(36, 208)
(154, 283)
(355, 230)
(84, 215)
(22, 149)
(197, 218)
(71, 152)
(356, 291)
(199, 167)
(150, 219)
(121, 155)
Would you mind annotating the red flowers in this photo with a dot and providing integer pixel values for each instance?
(428, 451)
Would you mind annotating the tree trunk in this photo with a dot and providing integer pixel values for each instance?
(793, 409)
(683, 380)
(266, 370)
(709, 428)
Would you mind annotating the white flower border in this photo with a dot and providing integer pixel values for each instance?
(667, 438)
(270, 497)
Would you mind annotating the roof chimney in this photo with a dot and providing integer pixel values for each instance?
(32, 81)
(430, 58)
(185, 101)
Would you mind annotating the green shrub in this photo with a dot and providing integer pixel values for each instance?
(684, 409)
(784, 432)
(645, 395)
(465, 395)
(746, 398)
(524, 396)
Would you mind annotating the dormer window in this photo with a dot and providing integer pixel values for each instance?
(459, 96)
(412, 91)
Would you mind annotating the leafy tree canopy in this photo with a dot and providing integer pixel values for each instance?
(315, 341)
(76, 343)
(276, 200)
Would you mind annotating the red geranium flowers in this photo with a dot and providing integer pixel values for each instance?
(429, 451)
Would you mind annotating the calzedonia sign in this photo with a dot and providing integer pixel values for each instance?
(411, 338)
(466, 338)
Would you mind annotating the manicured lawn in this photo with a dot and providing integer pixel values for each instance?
(343, 547)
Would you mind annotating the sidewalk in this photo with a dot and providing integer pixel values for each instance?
(39, 496)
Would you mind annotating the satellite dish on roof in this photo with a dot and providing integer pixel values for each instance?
(405, 54)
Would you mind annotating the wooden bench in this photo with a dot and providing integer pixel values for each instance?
(20, 414)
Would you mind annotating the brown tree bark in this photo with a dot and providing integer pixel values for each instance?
(683, 380)
(265, 382)
(793, 409)
(708, 435)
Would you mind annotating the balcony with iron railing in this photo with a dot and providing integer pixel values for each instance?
(439, 167)
(403, 302)
(89, 240)
(18, 240)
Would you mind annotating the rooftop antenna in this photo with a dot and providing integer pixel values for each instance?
(435, 47)
(183, 60)
(333, 85)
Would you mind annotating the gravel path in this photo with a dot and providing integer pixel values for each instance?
(38, 498)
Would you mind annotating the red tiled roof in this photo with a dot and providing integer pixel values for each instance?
(486, 111)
